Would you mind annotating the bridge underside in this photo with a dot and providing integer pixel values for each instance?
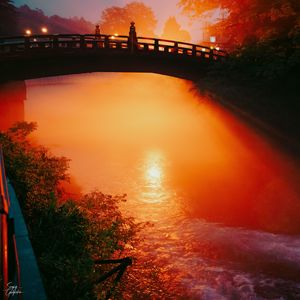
(38, 64)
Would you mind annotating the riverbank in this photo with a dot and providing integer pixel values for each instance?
(271, 106)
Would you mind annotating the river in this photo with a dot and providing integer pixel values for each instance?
(223, 199)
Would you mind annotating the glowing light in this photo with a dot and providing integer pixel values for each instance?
(212, 39)
(211, 47)
(203, 49)
(44, 29)
(116, 34)
(154, 190)
(154, 173)
(112, 37)
(217, 48)
(28, 31)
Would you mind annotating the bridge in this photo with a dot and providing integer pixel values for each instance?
(34, 56)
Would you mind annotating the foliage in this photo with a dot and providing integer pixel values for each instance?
(7, 17)
(117, 19)
(66, 237)
(263, 37)
(36, 171)
(248, 21)
(172, 31)
(117, 232)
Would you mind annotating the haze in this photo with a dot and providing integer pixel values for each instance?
(91, 10)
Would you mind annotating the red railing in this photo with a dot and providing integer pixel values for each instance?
(9, 256)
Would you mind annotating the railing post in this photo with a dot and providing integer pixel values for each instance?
(211, 54)
(175, 50)
(96, 43)
(27, 42)
(55, 42)
(82, 42)
(132, 39)
(194, 51)
(106, 42)
(119, 45)
(156, 45)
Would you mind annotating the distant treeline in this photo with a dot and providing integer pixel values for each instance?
(35, 19)
(15, 20)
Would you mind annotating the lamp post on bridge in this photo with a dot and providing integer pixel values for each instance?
(97, 31)
(96, 44)
(132, 39)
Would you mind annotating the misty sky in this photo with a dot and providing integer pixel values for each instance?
(91, 10)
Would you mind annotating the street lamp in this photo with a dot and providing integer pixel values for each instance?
(28, 32)
(44, 29)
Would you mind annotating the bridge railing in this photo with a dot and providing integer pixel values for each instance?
(19, 44)
(180, 48)
(9, 260)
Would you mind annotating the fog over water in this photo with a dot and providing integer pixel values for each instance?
(222, 198)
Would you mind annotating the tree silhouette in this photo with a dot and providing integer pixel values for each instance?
(117, 19)
(173, 31)
(35, 18)
(7, 17)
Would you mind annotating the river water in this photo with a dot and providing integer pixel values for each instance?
(223, 200)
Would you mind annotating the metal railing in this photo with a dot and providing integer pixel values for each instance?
(10, 271)
(30, 44)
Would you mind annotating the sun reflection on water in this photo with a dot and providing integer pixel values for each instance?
(154, 174)
(153, 168)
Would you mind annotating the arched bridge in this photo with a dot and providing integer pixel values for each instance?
(27, 57)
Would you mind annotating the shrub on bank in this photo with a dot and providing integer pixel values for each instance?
(67, 236)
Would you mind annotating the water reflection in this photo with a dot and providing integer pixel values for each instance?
(12, 97)
(154, 198)
(153, 190)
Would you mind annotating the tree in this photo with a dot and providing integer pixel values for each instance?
(7, 17)
(117, 19)
(249, 21)
(173, 31)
